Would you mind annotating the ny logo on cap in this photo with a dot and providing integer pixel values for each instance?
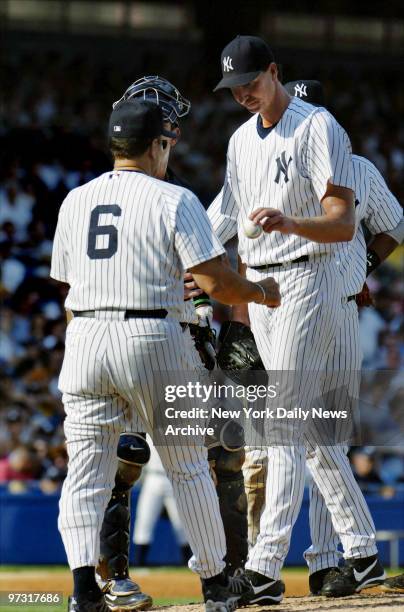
(301, 90)
(227, 64)
(117, 128)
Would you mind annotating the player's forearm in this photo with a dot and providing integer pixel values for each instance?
(230, 288)
(338, 222)
(218, 280)
(324, 230)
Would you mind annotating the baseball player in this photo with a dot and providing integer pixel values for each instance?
(122, 243)
(296, 159)
(378, 209)
(133, 451)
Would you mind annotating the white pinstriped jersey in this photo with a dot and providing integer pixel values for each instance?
(124, 239)
(377, 207)
(287, 169)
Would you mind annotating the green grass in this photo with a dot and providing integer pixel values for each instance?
(40, 608)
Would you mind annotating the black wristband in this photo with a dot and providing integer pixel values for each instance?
(372, 261)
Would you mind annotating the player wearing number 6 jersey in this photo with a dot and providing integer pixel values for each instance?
(121, 592)
(122, 243)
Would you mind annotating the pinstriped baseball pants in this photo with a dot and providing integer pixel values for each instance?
(110, 369)
(344, 360)
(299, 336)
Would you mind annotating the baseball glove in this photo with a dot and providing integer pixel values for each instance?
(238, 353)
(205, 341)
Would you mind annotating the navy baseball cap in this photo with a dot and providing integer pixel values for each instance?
(309, 91)
(140, 119)
(243, 59)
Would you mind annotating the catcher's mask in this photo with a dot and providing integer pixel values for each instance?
(163, 93)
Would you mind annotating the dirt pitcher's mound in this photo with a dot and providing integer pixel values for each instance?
(356, 603)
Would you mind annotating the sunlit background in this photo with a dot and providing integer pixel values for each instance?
(63, 63)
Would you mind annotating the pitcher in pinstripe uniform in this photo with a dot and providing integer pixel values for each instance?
(289, 169)
(379, 211)
(122, 243)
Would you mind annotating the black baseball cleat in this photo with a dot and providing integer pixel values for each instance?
(319, 579)
(356, 575)
(125, 594)
(222, 594)
(263, 590)
(394, 584)
(85, 605)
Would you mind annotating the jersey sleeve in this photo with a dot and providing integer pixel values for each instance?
(60, 263)
(397, 233)
(383, 211)
(223, 215)
(195, 240)
(223, 212)
(327, 155)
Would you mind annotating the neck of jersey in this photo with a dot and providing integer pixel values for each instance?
(264, 131)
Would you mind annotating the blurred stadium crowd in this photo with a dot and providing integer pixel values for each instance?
(52, 139)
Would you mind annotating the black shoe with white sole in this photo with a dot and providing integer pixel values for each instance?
(318, 580)
(263, 590)
(222, 594)
(356, 575)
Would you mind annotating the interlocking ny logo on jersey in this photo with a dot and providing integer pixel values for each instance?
(283, 167)
(227, 64)
(301, 90)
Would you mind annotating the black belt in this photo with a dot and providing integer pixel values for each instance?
(129, 314)
(350, 298)
(301, 259)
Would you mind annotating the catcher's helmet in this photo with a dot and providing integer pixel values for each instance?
(162, 92)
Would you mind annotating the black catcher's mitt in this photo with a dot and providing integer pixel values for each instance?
(238, 354)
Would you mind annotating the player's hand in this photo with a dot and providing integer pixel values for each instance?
(191, 289)
(272, 293)
(364, 298)
(273, 220)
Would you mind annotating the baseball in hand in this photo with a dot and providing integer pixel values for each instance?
(251, 229)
